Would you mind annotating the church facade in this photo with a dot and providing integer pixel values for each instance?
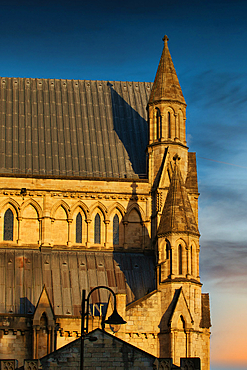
(97, 187)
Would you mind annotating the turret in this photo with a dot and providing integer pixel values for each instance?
(167, 115)
(178, 235)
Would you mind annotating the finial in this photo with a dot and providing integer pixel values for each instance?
(165, 39)
(176, 158)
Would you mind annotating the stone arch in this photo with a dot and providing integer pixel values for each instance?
(134, 227)
(43, 326)
(115, 206)
(62, 204)
(169, 128)
(193, 258)
(35, 205)
(138, 209)
(180, 125)
(101, 210)
(158, 124)
(101, 207)
(82, 206)
(60, 225)
(119, 210)
(181, 259)
(31, 214)
(78, 232)
(11, 204)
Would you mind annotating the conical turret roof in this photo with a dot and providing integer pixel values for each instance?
(166, 85)
(177, 215)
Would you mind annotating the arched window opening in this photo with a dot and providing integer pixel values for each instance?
(8, 225)
(167, 250)
(158, 124)
(169, 124)
(97, 229)
(191, 260)
(116, 230)
(178, 133)
(43, 322)
(180, 270)
(182, 320)
(78, 228)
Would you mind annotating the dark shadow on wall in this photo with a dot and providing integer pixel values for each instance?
(134, 259)
(132, 130)
(26, 307)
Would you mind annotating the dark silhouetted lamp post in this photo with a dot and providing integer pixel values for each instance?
(113, 319)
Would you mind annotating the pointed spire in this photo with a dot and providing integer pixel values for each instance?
(177, 215)
(166, 85)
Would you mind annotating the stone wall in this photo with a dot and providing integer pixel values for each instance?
(107, 352)
(49, 208)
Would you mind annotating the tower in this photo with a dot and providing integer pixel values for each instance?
(167, 115)
(173, 176)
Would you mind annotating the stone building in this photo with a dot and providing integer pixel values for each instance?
(97, 187)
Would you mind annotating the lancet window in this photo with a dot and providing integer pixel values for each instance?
(116, 230)
(180, 269)
(169, 124)
(78, 228)
(191, 259)
(97, 229)
(158, 124)
(8, 225)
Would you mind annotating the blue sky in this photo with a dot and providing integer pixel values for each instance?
(109, 40)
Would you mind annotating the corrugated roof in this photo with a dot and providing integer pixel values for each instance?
(23, 274)
(73, 127)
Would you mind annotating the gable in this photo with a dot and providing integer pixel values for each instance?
(117, 354)
(181, 316)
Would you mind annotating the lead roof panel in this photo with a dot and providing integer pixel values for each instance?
(73, 128)
(65, 274)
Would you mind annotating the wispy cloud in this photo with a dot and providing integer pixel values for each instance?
(224, 264)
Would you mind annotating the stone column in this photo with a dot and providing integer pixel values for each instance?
(125, 223)
(19, 219)
(69, 231)
(36, 329)
(106, 244)
(87, 239)
(172, 263)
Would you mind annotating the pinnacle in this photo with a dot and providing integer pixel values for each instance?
(166, 85)
(165, 38)
(177, 215)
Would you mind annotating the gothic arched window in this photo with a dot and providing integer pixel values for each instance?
(167, 250)
(180, 270)
(178, 126)
(116, 230)
(169, 124)
(8, 225)
(158, 124)
(191, 259)
(97, 229)
(78, 228)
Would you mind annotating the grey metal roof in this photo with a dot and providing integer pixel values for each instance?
(73, 127)
(23, 274)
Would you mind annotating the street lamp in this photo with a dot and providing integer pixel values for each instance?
(113, 319)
